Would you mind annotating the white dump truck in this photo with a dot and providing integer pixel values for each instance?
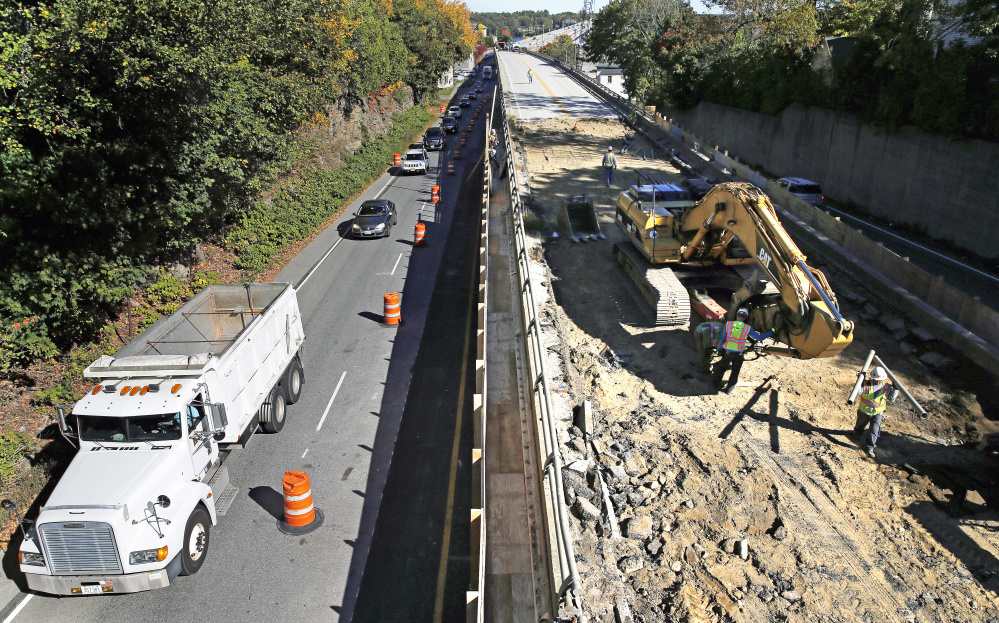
(135, 507)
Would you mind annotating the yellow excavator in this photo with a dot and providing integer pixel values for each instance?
(729, 240)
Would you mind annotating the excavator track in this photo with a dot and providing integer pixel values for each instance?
(660, 287)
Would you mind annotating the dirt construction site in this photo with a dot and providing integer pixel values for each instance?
(759, 505)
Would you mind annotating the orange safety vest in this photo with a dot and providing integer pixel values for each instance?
(873, 398)
(736, 333)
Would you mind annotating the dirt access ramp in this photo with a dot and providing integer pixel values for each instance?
(756, 506)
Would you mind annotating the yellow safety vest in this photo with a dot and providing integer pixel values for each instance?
(609, 160)
(736, 333)
(873, 399)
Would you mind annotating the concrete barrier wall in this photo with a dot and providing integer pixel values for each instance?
(974, 315)
(946, 186)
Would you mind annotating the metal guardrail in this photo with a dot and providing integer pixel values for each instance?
(569, 586)
(475, 595)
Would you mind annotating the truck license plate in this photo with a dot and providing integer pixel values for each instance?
(93, 589)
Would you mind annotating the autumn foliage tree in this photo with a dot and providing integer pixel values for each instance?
(132, 128)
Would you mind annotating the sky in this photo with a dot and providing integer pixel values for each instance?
(553, 6)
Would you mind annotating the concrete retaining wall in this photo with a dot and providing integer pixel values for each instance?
(947, 187)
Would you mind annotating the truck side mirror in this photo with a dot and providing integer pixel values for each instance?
(219, 418)
(64, 414)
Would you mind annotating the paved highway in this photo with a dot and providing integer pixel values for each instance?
(377, 429)
(550, 94)
(935, 261)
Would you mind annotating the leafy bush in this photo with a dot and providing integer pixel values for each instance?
(23, 341)
(13, 446)
(294, 213)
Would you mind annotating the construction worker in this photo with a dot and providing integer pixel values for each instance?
(530, 76)
(706, 337)
(610, 163)
(875, 394)
(731, 347)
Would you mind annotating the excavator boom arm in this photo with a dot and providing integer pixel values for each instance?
(809, 322)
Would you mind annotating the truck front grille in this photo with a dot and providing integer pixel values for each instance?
(80, 548)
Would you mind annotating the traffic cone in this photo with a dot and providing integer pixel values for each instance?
(300, 514)
(392, 307)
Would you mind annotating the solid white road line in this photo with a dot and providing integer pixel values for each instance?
(332, 398)
(320, 263)
(398, 259)
(13, 613)
(304, 453)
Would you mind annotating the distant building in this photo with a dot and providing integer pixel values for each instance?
(949, 31)
(446, 79)
(611, 77)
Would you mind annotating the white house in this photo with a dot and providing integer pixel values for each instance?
(611, 77)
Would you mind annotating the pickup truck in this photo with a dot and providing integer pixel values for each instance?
(135, 507)
(416, 161)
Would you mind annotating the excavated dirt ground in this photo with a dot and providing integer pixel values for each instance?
(756, 506)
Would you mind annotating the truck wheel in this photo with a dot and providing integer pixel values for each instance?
(292, 381)
(277, 410)
(196, 539)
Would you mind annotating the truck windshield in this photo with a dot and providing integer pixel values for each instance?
(165, 427)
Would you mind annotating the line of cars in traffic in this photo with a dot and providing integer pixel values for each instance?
(375, 218)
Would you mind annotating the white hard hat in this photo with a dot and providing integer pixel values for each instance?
(610, 149)
(879, 374)
(742, 312)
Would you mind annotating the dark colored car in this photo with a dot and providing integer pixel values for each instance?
(374, 219)
(464, 102)
(697, 187)
(478, 87)
(449, 125)
(471, 95)
(433, 140)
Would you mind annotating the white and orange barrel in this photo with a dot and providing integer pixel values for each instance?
(418, 235)
(392, 308)
(450, 166)
(298, 507)
(397, 160)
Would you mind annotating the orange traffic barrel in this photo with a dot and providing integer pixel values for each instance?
(443, 108)
(464, 137)
(392, 315)
(398, 160)
(300, 514)
(457, 153)
(435, 193)
(450, 167)
(419, 233)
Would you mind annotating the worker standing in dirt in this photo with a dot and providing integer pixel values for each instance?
(732, 346)
(875, 394)
(610, 163)
(706, 337)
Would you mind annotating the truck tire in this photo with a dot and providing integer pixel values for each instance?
(196, 539)
(294, 377)
(276, 410)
